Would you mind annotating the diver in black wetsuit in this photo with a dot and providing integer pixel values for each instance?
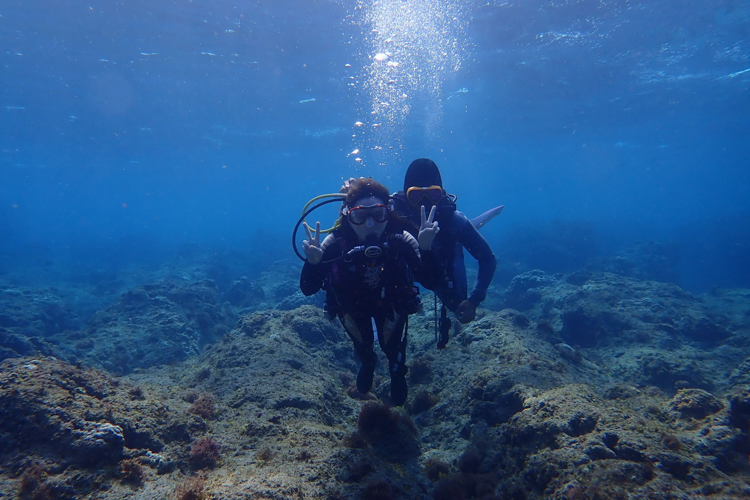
(367, 268)
(423, 189)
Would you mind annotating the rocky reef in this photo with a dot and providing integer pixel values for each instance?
(587, 385)
(155, 324)
(649, 333)
(67, 431)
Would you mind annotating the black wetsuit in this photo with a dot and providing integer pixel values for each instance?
(457, 232)
(361, 288)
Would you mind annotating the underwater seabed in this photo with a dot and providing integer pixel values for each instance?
(196, 382)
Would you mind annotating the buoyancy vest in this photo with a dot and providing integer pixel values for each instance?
(372, 276)
(446, 243)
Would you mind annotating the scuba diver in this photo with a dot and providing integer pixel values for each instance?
(423, 189)
(367, 265)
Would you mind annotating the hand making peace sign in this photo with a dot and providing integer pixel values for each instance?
(428, 230)
(313, 251)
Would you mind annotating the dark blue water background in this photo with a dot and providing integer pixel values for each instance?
(133, 131)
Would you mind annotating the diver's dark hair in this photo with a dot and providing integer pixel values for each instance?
(356, 189)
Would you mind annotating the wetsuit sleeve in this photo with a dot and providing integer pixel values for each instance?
(426, 271)
(423, 263)
(478, 247)
(313, 275)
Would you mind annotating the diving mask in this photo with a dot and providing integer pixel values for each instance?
(416, 194)
(358, 215)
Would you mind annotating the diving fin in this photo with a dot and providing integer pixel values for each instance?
(483, 219)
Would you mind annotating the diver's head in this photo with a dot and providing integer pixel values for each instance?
(366, 208)
(423, 184)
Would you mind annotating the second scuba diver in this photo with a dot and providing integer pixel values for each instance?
(366, 267)
(423, 189)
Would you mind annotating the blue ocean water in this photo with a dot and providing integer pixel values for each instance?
(133, 131)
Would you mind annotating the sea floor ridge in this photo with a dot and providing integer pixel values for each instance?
(200, 382)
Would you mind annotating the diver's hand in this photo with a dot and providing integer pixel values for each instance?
(312, 249)
(428, 230)
(466, 311)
